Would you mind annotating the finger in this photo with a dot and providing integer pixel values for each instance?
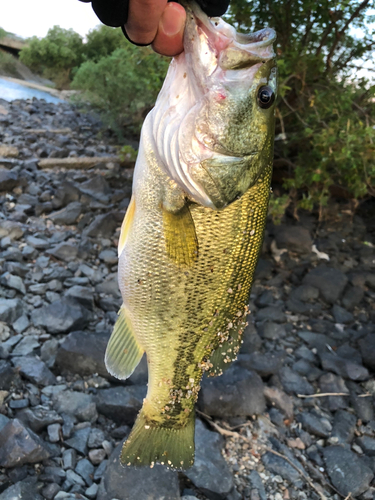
(169, 37)
(143, 19)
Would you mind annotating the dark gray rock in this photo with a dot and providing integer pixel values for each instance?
(315, 424)
(97, 187)
(238, 392)
(344, 425)
(294, 238)
(26, 346)
(77, 404)
(8, 180)
(103, 226)
(86, 470)
(108, 256)
(79, 439)
(34, 370)
(7, 375)
(120, 404)
(83, 353)
(60, 317)
(64, 251)
(367, 346)
(109, 287)
(210, 472)
(264, 364)
(38, 418)
(19, 445)
(23, 490)
(344, 367)
(277, 398)
(12, 281)
(38, 243)
(81, 294)
(67, 215)
(3, 421)
(271, 330)
(69, 459)
(130, 483)
(363, 407)
(10, 310)
(294, 383)
(330, 282)
(353, 297)
(257, 485)
(367, 444)
(334, 384)
(348, 473)
(305, 293)
(270, 313)
(278, 465)
(341, 315)
(96, 438)
(66, 193)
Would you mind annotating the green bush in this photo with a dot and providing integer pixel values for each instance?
(8, 64)
(325, 113)
(102, 41)
(122, 86)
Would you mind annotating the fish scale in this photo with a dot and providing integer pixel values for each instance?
(192, 233)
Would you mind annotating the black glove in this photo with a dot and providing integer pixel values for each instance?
(115, 12)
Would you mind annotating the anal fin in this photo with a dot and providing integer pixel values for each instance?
(180, 236)
(123, 351)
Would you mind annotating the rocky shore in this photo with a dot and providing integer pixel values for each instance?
(293, 418)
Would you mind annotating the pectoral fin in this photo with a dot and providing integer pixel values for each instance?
(123, 351)
(126, 223)
(180, 236)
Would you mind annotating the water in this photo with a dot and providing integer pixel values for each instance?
(10, 91)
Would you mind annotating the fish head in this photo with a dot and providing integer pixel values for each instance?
(226, 84)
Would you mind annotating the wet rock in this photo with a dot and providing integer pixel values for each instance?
(344, 425)
(348, 473)
(210, 472)
(330, 282)
(34, 370)
(10, 310)
(19, 445)
(8, 180)
(121, 404)
(67, 215)
(344, 367)
(238, 392)
(83, 353)
(60, 317)
(367, 346)
(77, 404)
(130, 483)
(64, 251)
(294, 383)
(294, 238)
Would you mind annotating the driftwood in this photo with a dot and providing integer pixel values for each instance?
(42, 131)
(82, 162)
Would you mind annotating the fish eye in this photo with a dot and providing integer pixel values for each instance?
(266, 97)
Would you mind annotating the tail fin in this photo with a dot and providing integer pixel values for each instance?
(149, 444)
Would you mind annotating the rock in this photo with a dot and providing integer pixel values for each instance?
(60, 317)
(86, 470)
(38, 418)
(264, 364)
(96, 438)
(294, 238)
(98, 188)
(97, 456)
(341, 315)
(344, 425)
(109, 287)
(26, 346)
(69, 459)
(210, 472)
(54, 433)
(347, 471)
(78, 441)
(11, 281)
(10, 310)
(277, 398)
(121, 404)
(278, 465)
(81, 294)
(3, 421)
(344, 367)
(64, 251)
(130, 483)
(7, 375)
(83, 353)
(272, 331)
(270, 313)
(77, 404)
(315, 424)
(257, 485)
(21, 324)
(66, 193)
(23, 490)
(103, 226)
(294, 383)
(50, 491)
(67, 215)
(305, 293)
(330, 282)
(8, 180)
(238, 392)
(19, 445)
(367, 444)
(38, 243)
(333, 384)
(34, 370)
(108, 256)
(48, 352)
(352, 297)
(367, 346)
(11, 229)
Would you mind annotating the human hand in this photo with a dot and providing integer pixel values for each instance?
(152, 22)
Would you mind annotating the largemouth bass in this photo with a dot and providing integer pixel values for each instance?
(193, 230)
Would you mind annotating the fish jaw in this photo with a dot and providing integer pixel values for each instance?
(207, 109)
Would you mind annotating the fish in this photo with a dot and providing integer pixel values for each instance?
(193, 230)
